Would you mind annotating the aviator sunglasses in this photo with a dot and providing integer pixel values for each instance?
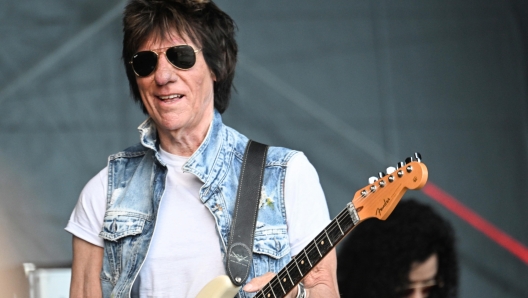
(145, 62)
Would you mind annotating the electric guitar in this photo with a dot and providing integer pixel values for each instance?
(376, 200)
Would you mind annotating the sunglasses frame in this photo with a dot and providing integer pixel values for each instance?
(157, 52)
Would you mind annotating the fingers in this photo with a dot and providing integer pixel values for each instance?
(258, 282)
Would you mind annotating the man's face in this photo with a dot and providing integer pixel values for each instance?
(422, 278)
(177, 100)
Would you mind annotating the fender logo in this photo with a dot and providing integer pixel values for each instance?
(385, 202)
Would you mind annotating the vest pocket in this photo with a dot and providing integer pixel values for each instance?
(271, 241)
(271, 249)
(118, 225)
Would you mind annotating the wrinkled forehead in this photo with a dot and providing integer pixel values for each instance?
(156, 41)
(166, 35)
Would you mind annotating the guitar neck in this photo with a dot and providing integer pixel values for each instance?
(313, 253)
(376, 200)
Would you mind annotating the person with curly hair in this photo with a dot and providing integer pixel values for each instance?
(411, 254)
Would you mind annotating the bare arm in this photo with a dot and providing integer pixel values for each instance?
(86, 269)
(321, 282)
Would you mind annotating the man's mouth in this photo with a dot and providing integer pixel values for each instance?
(170, 97)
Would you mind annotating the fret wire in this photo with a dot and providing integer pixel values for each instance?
(280, 283)
(335, 236)
(331, 244)
(290, 267)
(317, 248)
(307, 258)
(308, 248)
(344, 214)
(341, 216)
(273, 292)
(260, 293)
(293, 265)
(264, 289)
(298, 268)
(289, 276)
(339, 226)
(273, 283)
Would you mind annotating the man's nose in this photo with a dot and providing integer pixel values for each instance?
(165, 72)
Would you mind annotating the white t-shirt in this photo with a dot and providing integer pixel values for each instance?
(173, 268)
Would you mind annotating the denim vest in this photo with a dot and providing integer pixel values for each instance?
(136, 181)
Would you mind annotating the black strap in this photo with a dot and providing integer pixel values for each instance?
(240, 251)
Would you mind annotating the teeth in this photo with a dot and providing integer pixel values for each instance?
(171, 96)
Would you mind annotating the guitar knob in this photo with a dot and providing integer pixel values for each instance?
(391, 170)
(372, 179)
(417, 157)
(381, 175)
(409, 160)
(401, 164)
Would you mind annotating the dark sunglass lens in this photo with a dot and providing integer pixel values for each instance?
(144, 63)
(181, 56)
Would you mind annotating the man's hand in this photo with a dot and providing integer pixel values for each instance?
(321, 282)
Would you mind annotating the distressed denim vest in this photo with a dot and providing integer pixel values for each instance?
(136, 181)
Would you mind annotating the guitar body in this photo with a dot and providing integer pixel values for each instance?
(220, 287)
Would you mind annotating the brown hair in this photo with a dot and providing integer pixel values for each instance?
(202, 21)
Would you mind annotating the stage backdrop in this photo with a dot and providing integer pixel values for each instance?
(356, 85)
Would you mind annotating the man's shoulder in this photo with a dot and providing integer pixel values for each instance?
(276, 155)
(279, 155)
(136, 150)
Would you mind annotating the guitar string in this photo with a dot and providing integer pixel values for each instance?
(333, 226)
(307, 250)
(310, 247)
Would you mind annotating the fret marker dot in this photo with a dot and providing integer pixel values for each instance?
(322, 242)
(269, 295)
(284, 280)
(302, 262)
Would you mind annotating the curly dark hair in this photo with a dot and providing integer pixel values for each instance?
(201, 21)
(376, 258)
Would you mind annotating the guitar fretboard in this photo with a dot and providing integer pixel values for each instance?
(312, 254)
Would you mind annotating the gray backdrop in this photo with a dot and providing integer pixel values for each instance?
(356, 85)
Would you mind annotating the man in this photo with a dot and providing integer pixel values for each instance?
(155, 222)
(411, 254)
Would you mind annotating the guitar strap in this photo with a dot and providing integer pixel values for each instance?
(240, 250)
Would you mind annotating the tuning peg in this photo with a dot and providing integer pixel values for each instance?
(372, 179)
(401, 164)
(409, 160)
(417, 157)
(391, 170)
(381, 175)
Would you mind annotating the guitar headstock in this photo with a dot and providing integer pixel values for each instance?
(380, 197)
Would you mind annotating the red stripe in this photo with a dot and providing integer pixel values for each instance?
(479, 223)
